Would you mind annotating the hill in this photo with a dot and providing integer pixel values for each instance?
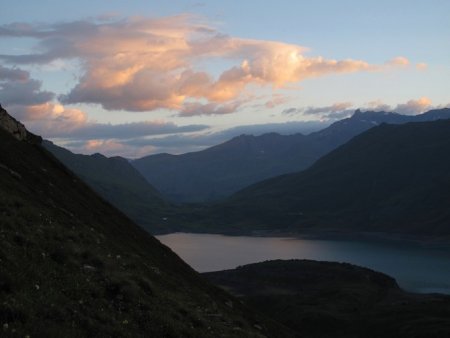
(72, 265)
(392, 178)
(119, 183)
(219, 171)
(325, 299)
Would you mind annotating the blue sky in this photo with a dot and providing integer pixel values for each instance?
(138, 77)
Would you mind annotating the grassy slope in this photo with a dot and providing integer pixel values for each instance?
(72, 265)
(324, 299)
(393, 178)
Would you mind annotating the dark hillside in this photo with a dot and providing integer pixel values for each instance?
(119, 183)
(71, 265)
(392, 178)
(327, 299)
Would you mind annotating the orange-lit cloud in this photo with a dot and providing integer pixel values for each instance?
(411, 107)
(102, 145)
(421, 66)
(399, 61)
(276, 100)
(141, 64)
(340, 110)
(49, 118)
(109, 147)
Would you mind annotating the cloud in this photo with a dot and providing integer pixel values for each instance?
(411, 107)
(108, 148)
(421, 66)
(144, 64)
(414, 107)
(398, 61)
(378, 105)
(13, 74)
(26, 101)
(53, 120)
(196, 108)
(126, 130)
(335, 111)
(341, 110)
(276, 100)
(17, 88)
(49, 118)
(334, 108)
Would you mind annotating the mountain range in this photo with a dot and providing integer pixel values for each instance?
(217, 172)
(392, 178)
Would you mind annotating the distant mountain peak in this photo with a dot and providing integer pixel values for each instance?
(16, 129)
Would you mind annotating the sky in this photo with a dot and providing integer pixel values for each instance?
(134, 78)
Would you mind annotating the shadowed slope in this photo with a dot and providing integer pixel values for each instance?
(119, 183)
(392, 178)
(74, 266)
(326, 299)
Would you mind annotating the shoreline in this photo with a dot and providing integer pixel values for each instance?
(432, 242)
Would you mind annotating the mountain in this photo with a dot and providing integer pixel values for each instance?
(120, 184)
(223, 169)
(219, 171)
(326, 299)
(392, 178)
(72, 265)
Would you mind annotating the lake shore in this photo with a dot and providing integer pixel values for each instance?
(417, 267)
(435, 242)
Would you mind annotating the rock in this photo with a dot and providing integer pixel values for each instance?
(17, 129)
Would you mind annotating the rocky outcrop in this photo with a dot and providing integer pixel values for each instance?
(15, 128)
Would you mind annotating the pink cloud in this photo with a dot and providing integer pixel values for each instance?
(399, 61)
(141, 64)
(411, 107)
(421, 66)
(110, 147)
(414, 107)
(276, 100)
(47, 118)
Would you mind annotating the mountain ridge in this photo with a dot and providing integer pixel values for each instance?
(217, 172)
(120, 183)
(392, 178)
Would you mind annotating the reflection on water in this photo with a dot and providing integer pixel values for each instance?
(415, 268)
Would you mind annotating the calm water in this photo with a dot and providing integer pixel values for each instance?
(415, 268)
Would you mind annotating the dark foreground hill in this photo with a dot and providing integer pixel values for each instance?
(71, 265)
(219, 171)
(116, 180)
(324, 299)
(392, 178)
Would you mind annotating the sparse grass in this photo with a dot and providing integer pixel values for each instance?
(73, 266)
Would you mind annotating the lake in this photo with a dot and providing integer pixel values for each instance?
(416, 268)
